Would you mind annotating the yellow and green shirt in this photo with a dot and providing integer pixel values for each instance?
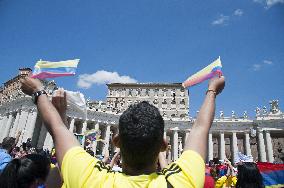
(79, 169)
(224, 182)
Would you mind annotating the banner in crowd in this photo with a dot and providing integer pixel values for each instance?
(273, 174)
(208, 72)
(93, 135)
(243, 158)
(47, 69)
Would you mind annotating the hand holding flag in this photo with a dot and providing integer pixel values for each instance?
(208, 72)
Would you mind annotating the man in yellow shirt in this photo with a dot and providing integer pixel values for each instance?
(140, 140)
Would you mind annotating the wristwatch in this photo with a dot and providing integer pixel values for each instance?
(36, 94)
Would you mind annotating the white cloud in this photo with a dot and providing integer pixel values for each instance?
(268, 62)
(238, 12)
(222, 20)
(102, 77)
(256, 67)
(269, 3)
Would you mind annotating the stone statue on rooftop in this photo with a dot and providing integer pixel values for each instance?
(264, 111)
(245, 116)
(257, 111)
(88, 101)
(274, 106)
(233, 114)
(221, 114)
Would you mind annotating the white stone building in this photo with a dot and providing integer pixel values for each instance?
(262, 136)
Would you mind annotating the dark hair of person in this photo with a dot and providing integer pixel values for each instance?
(17, 148)
(24, 172)
(8, 143)
(24, 146)
(249, 176)
(141, 129)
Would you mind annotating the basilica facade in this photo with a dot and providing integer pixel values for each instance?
(261, 136)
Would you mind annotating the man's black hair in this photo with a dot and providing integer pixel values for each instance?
(141, 129)
(8, 143)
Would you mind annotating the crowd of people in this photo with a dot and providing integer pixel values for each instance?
(30, 167)
(138, 161)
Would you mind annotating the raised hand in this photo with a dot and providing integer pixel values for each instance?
(60, 103)
(30, 85)
(217, 84)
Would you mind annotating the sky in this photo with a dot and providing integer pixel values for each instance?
(152, 41)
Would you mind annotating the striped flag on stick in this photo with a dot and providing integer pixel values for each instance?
(208, 72)
(47, 69)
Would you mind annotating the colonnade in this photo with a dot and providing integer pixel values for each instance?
(28, 122)
(177, 138)
(19, 120)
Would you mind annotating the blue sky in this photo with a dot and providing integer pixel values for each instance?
(152, 41)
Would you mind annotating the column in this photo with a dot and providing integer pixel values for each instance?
(187, 132)
(165, 138)
(29, 129)
(269, 147)
(72, 123)
(94, 146)
(4, 122)
(48, 142)
(1, 120)
(234, 146)
(261, 147)
(210, 147)
(15, 126)
(175, 143)
(169, 159)
(7, 126)
(84, 128)
(42, 136)
(247, 144)
(22, 123)
(180, 148)
(107, 136)
(222, 147)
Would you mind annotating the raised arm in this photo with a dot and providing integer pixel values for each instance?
(198, 137)
(63, 139)
(162, 160)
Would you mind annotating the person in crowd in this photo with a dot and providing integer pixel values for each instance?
(28, 172)
(228, 180)
(106, 156)
(249, 176)
(209, 179)
(140, 139)
(7, 147)
(115, 163)
(15, 151)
